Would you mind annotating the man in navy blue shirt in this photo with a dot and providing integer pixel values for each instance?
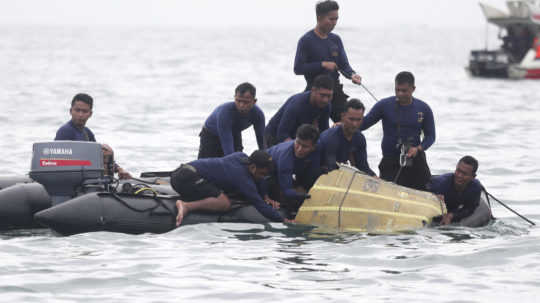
(320, 51)
(346, 143)
(76, 130)
(222, 131)
(310, 107)
(297, 168)
(404, 119)
(460, 191)
(205, 184)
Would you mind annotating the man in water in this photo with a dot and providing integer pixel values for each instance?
(404, 119)
(222, 131)
(345, 142)
(297, 168)
(460, 191)
(76, 130)
(320, 51)
(205, 184)
(310, 107)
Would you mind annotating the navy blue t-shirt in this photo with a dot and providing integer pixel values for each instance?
(69, 132)
(336, 148)
(312, 50)
(231, 174)
(225, 121)
(287, 164)
(296, 111)
(402, 122)
(461, 204)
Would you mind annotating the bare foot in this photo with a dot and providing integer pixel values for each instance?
(182, 211)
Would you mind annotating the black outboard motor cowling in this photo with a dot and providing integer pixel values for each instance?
(64, 167)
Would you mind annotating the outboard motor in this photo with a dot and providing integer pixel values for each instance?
(60, 170)
(66, 168)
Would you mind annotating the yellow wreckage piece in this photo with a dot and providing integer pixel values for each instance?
(348, 200)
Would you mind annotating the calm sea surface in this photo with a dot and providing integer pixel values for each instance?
(153, 89)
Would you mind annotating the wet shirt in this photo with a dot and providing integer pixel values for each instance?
(287, 164)
(296, 111)
(336, 148)
(312, 50)
(402, 123)
(69, 132)
(225, 120)
(231, 174)
(461, 204)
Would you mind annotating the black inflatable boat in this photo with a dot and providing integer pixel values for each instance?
(69, 191)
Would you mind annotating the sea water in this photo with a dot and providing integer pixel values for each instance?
(153, 88)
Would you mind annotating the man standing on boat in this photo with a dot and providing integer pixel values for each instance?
(404, 119)
(297, 165)
(222, 131)
(206, 184)
(320, 51)
(460, 191)
(345, 142)
(76, 130)
(310, 107)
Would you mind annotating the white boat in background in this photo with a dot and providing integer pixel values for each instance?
(519, 55)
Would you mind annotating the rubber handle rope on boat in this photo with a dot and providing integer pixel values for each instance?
(158, 201)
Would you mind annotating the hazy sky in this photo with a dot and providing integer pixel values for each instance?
(240, 12)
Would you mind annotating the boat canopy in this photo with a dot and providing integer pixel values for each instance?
(524, 12)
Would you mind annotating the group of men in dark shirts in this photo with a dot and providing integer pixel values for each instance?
(298, 144)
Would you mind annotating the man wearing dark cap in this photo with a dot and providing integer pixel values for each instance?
(205, 184)
(319, 51)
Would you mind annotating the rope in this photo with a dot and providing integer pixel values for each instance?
(345, 196)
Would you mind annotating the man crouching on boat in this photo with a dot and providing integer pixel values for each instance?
(203, 184)
(297, 167)
(460, 191)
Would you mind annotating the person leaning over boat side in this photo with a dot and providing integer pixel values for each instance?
(76, 130)
(319, 51)
(460, 191)
(222, 132)
(345, 142)
(205, 184)
(310, 107)
(297, 168)
(404, 118)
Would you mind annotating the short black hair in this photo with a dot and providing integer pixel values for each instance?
(354, 104)
(469, 160)
(324, 7)
(405, 77)
(261, 159)
(307, 132)
(323, 81)
(245, 87)
(83, 98)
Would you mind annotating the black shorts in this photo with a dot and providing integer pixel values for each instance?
(416, 176)
(187, 182)
(210, 145)
(338, 103)
(269, 140)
